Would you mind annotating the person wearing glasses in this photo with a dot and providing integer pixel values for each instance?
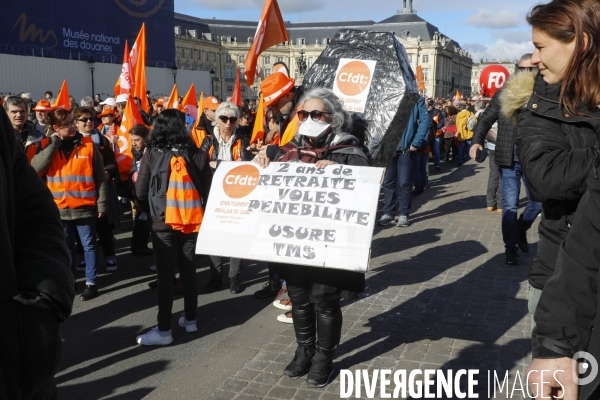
(514, 230)
(228, 142)
(316, 291)
(72, 167)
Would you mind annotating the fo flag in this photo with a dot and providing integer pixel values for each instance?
(271, 31)
(123, 154)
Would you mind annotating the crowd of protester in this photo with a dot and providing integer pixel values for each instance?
(541, 131)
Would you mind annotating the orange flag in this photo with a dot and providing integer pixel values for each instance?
(123, 154)
(420, 78)
(236, 97)
(125, 83)
(258, 130)
(62, 100)
(271, 31)
(188, 105)
(290, 130)
(173, 101)
(138, 63)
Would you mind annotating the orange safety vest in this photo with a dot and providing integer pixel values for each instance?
(184, 210)
(33, 148)
(236, 150)
(71, 181)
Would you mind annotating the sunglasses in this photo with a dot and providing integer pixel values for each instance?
(85, 120)
(224, 119)
(315, 115)
(527, 69)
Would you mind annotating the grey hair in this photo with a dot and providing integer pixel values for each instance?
(526, 57)
(462, 106)
(339, 119)
(86, 102)
(456, 103)
(226, 109)
(27, 96)
(479, 105)
(14, 101)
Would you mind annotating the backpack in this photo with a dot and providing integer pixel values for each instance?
(471, 122)
(164, 184)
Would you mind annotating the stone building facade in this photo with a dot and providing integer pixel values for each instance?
(221, 46)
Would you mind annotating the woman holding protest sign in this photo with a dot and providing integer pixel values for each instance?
(316, 292)
(229, 143)
(172, 186)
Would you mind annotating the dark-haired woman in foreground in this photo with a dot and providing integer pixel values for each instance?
(172, 247)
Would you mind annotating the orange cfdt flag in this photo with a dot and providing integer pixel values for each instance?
(236, 97)
(420, 79)
(62, 100)
(123, 154)
(258, 129)
(173, 101)
(125, 83)
(271, 31)
(189, 105)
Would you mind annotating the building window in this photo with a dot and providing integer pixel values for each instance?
(241, 59)
(227, 58)
(228, 73)
(426, 74)
(279, 59)
(230, 88)
(410, 58)
(214, 57)
(267, 72)
(267, 60)
(309, 62)
(425, 58)
(243, 88)
(242, 76)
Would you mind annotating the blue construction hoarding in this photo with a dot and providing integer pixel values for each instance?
(74, 29)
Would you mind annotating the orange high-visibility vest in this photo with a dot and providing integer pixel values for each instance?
(184, 210)
(236, 150)
(32, 149)
(71, 181)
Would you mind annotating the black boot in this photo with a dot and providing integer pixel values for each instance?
(213, 285)
(511, 257)
(269, 289)
(523, 244)
(90, 292)
(301, 362)
(320, 371)
(234, 285)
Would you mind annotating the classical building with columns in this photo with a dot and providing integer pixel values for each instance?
(221, 45)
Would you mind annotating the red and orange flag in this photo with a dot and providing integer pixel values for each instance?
(271, 31)
(258, 130)
(138, 63)
(123, 154)
(125, 83)
(173, 101)
(62, 100)
(236, 97)
(189, 105)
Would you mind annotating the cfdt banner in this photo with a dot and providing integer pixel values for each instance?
(71, 29)
(292, 213)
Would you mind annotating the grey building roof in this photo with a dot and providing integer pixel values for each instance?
(400, 24)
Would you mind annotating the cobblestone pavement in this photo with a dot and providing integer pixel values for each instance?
(439, 296)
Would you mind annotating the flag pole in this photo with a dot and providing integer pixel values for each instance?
(294, 56)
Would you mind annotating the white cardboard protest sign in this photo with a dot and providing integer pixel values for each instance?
(352, 83)
(292, 213)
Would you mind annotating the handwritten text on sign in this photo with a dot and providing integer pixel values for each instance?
(292, 213)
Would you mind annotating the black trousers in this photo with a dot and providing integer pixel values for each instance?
(216, 267)
(104, 230)
(449, 144)
(316, 310)
(175, 249)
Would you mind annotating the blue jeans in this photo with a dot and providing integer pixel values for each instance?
(419, 175)
(397, 184)
(511, 190)
(436, 149)
(463, 146)
(86, 228)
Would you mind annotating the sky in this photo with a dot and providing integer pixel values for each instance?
(486, 29)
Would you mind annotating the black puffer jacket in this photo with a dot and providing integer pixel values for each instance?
(556, 151)
(505, 142)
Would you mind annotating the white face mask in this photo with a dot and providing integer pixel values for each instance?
(313, 129)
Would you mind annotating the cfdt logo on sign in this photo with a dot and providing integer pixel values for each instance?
(241, 181)
(492, 79)
(352, 83)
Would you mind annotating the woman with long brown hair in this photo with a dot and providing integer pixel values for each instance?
(557, 144)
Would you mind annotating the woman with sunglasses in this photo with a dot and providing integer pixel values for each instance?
(105, 225)
(228, 143)
(316, 292)
(558, 140)
(73, 169)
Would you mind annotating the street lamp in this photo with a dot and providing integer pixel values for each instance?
(174, 69)
(92, 65)
(212, 80)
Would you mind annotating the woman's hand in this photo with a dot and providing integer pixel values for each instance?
(321, 164)
(262, 160)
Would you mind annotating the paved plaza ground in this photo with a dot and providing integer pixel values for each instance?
(438, 296)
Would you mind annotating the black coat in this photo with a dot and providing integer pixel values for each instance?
(556, 151)
(505, 143)
(36, 283)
